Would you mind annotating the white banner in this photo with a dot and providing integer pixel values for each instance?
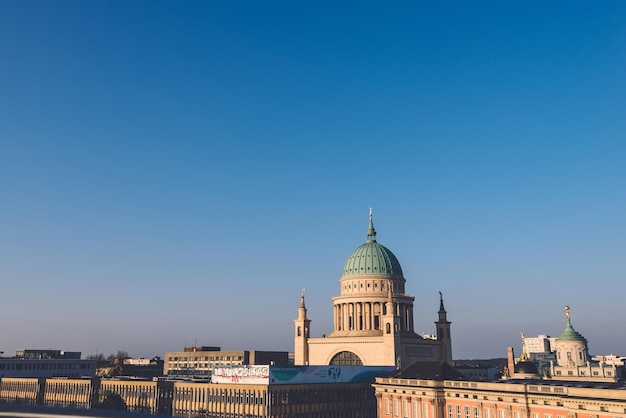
(241, 374)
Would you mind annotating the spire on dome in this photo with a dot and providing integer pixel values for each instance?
(570, 334)
(302, 299)
(441, 308)
(371, 232)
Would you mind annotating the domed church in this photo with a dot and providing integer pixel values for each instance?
(373, 317)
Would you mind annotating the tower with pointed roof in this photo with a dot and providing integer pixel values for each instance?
(443, 331)
(302, 333)
(372, 316)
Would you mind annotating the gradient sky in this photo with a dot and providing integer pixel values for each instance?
(176, 172)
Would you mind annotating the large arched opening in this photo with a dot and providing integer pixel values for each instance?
(346, 358)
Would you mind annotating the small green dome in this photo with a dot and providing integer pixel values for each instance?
(372, 258)
(570, 334)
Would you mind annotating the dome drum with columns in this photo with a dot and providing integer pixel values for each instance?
(372, 316)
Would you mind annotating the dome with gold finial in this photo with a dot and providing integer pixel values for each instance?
(570, 334)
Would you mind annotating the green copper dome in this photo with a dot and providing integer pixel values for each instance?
(372, 258)
(570, 334)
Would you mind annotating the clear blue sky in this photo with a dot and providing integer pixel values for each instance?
(176, 172)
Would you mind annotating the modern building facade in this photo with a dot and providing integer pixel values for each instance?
(197, 361)
(373, 317)
(46, 363)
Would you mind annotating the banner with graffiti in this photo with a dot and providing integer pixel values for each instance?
(241, 374)
(277, 375)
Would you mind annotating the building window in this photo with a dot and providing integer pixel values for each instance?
(396, 412)
(486, 413)
(501, 413)
(450, 415)
(467, 412)
(516, 414)
(425, 414)
(476, 414)
(405, 408)
(387, 408)
(415, 409)
(458, 411)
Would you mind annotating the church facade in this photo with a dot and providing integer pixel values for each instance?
(373, 317)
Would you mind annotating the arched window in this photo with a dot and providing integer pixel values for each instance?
(388, 328)
(299, 331)
(346, 358)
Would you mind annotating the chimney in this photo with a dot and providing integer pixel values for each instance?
(511, 360)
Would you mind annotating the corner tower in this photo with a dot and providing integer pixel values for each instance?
(443, 333)
(302, 334)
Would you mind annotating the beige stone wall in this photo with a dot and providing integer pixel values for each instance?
(371, 350)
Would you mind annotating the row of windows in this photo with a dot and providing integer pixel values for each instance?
(582, 373)
(44, 366)
(197, 365)
(369, 285)
(408, 410)
(206, 358)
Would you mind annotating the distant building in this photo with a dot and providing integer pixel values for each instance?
(569, 360)
(46, 363)
(479, 372)
(610, 359)
(373, 317)
(137, 361)
(481, 369)
(29, 354)
(197, 361)
(142, 367)
(539, 344)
